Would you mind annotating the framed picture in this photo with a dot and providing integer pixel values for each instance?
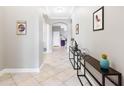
(98, 19)
(77, 29)
(21, 27)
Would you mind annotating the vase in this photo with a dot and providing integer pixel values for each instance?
(104, 64)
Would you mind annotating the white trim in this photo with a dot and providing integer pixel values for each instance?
(20, 70)
(1, 72)
(41, 66)
(45, 52)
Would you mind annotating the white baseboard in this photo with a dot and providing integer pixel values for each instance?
(47, 52)
(1, 72)
(41, 66)
(20, 70)
(44, 52)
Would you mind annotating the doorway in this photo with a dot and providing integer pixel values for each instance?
(59, 34)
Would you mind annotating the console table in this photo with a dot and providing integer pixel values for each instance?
(96, 65)
(73, 57)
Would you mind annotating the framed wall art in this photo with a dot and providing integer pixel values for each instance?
(21, 27)
(77, 29)
(98, 19)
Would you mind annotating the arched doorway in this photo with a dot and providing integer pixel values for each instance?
(59, 34)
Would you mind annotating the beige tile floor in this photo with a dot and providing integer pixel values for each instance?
(56, 71)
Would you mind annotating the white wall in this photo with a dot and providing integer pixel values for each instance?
(21, 51)
(49, 38)
(41, 37)
(109, 40)
(46, 36)
(1, 39)
(44, 33)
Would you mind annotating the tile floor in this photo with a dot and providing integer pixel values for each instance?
(56, 71)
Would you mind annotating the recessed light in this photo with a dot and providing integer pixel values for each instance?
(59, 9)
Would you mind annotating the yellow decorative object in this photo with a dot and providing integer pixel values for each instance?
(104, 56)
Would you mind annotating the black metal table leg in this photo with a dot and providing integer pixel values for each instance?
(103, 80)
(119, 80)
(74, 60)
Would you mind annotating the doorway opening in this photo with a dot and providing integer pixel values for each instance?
(59, 35)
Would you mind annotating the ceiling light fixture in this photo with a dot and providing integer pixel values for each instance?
(59, 9)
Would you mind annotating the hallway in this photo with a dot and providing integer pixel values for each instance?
(28, 35)
(55, 71)
(61, 46)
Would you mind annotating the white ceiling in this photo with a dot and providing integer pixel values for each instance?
(59, 12)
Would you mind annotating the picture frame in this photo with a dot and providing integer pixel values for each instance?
(77, 29)
(21, 27)
(98, 19)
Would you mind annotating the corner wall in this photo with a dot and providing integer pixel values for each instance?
(109, 40)
(40, 38)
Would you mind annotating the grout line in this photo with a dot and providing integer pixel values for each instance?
(13, 79)
(36, 80)
(51, 75)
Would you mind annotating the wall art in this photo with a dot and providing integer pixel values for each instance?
(98, 19)
(77, 29)
(21, 27)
